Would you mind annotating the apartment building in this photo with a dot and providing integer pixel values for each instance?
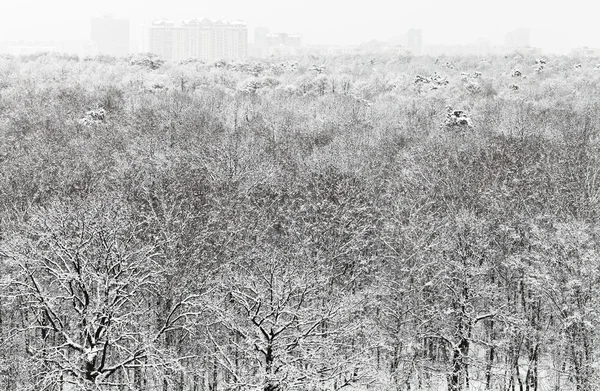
(162, 39)
(275, 44)
(203, 39)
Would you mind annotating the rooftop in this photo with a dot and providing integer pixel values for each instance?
(162, 22)
(198, 21)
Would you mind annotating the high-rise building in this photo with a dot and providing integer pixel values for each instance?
(275, 44)
(218, 40)
(186, 40)
(236, 40)
(111, 35)
(261, 46)
(203, 39)
(414, 39)
(519, 38)
(162, 38)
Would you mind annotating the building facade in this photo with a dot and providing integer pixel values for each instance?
(275, 44)
(202, 39)
(260, 42)
(111, 35)
(283, 44)
(162, 39)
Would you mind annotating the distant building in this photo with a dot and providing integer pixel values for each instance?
(374, 46)
(202, 39)
(380, 47)
(480, 47)
(79, 48)
(162, 38)
(261, 46)
(283, 44)
(519, 38)
(414, 39)
(111, 35)
(236, 40)
(328, 50)
(275, 44)
(586, 51)
(409, 42)
(24, 48)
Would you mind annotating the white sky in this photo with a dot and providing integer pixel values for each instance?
(555, 25)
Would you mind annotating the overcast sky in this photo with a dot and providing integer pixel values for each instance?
(555, 25)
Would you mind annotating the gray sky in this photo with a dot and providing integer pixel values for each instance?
(555, 25)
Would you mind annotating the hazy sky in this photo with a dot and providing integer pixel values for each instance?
(555, 25)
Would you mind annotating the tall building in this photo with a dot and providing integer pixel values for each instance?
(111, 35)
(275, 44)
(283, 44)
(185, 40)
(202, 39)
(162, 38)
(519, 38)
(236, 40)
(260, 41)
(205, 39)
(218, 40)
(414, 39)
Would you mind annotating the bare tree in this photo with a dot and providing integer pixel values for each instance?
(85, 274)
(281, 321)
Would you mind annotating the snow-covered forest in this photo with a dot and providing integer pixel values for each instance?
(352, 222)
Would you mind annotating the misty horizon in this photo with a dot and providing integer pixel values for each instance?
(465, 22)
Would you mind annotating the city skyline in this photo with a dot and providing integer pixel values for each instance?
(193, 38)
(201, 38)
(211, 40)
(560, 30)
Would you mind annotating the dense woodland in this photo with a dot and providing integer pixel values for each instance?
(302, 224)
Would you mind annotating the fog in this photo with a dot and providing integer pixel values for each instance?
(555, 26)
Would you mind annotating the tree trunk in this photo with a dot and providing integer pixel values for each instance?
(531, 379)
(459, 375)
(270, 385)
(195, 381)
(394, 367)
(518, 375)
(138, 379)
(215, 375)
(580, 357)
(488, 369)
(490, 362)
